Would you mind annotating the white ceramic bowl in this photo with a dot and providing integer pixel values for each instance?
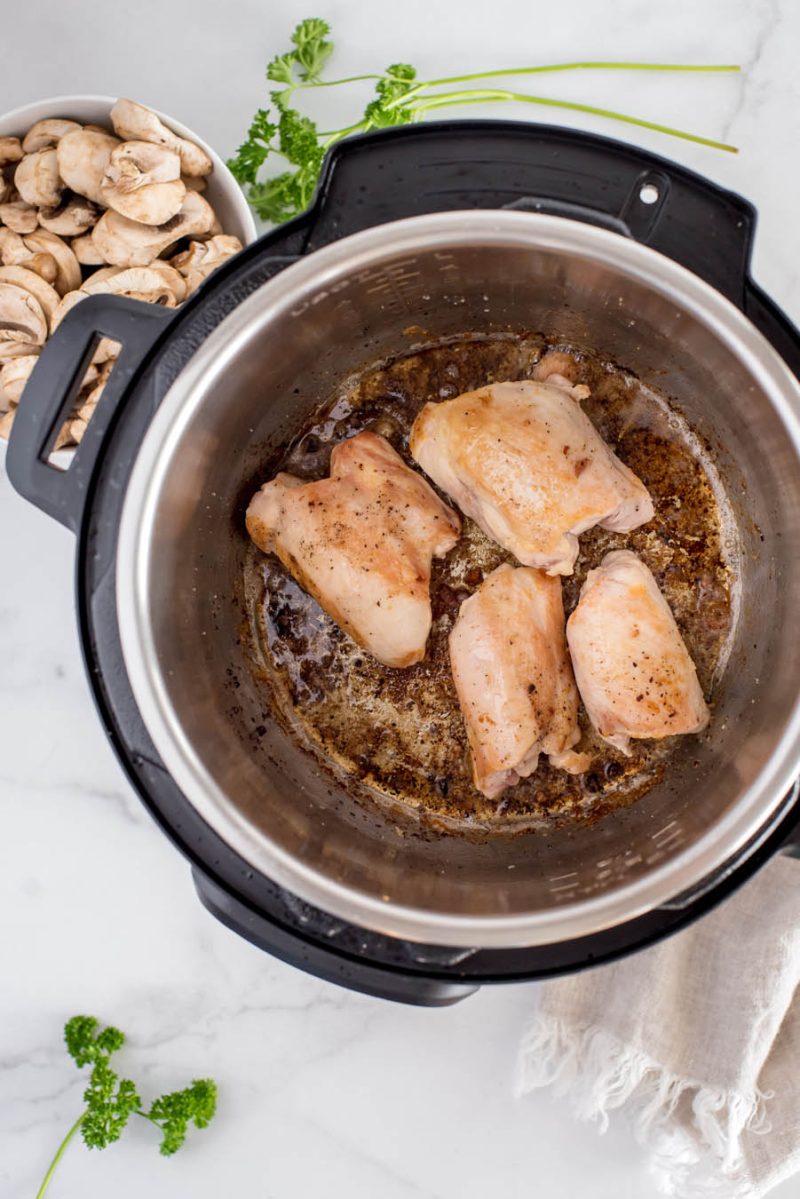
(222, 192)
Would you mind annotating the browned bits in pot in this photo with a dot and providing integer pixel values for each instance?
(401, 730)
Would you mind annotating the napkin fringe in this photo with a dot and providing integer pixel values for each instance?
(598, 1073)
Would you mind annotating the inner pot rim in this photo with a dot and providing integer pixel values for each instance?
(740, 829)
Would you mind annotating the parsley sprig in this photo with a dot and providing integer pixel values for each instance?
(111, 1100)
(400, 98)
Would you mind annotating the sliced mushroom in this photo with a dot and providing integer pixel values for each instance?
(91, 390)
(44, 265)
(6, 421)
(172, 278)
(21, 316)
(134, 122)
(99, 129)
(194, 183)
(10, 150)
(12, 247)
(86, 251)
(64, 438)
(46, 294)
(82, 160)
(46, 134)
(137, 282)
(66, 302)
(214, 231)
(14, 252)
(17, 215)
(37, 179)
(126, 243)
(71, 218)
(90, 378)
(107, 351)
(134, 165)
(16, 349)
(68, 271)
(13, 377)
(105, 272)
(142, 181)
(201, 258)
(86, 410)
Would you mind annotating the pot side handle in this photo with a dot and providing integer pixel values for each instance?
(313, 958)
(51, 391)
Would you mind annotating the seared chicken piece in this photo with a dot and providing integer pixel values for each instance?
(633, 670)
(513, 678)
(530, 468)
(361, 543)
(559, 368)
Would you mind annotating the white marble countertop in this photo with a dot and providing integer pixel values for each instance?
(322, 1091)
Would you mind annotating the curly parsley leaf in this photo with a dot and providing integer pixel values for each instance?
(312, 49)
(84, 1047)
(253, 152)
(110, 1103)
(280, 198)
(173, 1113)
(397, 81)
(111, 1100)
(299, 140)
(281, 68)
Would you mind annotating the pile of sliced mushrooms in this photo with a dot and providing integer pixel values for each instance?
(84, 210)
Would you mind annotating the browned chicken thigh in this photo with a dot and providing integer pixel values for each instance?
(513, 678)
(361, 542)
(525, 462)
(633, 670)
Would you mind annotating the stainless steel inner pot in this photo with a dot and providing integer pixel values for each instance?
(255, 379)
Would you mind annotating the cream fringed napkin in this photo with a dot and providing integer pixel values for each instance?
(697, 1038)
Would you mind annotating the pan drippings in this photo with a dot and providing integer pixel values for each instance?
(401, 731)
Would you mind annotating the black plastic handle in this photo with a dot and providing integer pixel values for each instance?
(773, 322)
(357, 975)
(394, 173)
(51, 391)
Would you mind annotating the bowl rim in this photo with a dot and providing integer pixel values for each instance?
(52, 106)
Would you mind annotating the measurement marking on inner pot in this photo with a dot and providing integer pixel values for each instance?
(667, 830)
(566, 882)
(669, 835)
(397, 736)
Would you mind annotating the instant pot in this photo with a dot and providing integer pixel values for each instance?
(513, 226)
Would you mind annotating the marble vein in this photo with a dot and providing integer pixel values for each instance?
(769, 22)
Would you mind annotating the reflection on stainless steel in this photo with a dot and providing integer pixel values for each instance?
(272, 362)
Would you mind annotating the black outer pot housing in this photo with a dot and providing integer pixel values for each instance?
(366, 181)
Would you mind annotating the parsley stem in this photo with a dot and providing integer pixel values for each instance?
(476, 96)
(138, 1111)
(337, 134)
(335, 82)
(580, 66)
(58, 1156)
